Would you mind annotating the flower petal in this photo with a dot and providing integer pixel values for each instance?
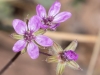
(41, 12)
(53, 27)
(33, 50)
(19, 26)
(54, 9)
(19, 45)
(72, 46)
(44, 27)
(34, 23)
(44, 41)
(60, 68)
(61, 17)
(73, 65)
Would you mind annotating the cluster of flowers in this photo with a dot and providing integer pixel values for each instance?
(30, 34)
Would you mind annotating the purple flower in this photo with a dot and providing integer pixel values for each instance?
(28, 37)
(70, 55)
(64, 57)
(53, 19)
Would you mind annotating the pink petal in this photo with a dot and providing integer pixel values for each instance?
(44, 40)
(34, 23)
(54, 9)
(19, 26)
(61, 17)
(33, 50)
(41, 12)
(44, 26)
(19, 45)
(53, 27)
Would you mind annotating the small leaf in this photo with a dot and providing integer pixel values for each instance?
(51, 59)
(39, 32)
(71, 46)
(60, 68)
(73, 65)
(57, 48)
(15, 36)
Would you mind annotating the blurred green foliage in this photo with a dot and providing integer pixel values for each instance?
(5, 13)
(5, 10)
(77, 2)
(45, 3)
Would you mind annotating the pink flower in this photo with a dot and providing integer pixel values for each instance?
(70, 55)
(53, 19)
(64, 57)
(28, 37)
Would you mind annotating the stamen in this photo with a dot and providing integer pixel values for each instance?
(28, 36)
(47, 21)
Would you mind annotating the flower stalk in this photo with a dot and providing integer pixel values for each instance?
(14, 58)
(9, 63)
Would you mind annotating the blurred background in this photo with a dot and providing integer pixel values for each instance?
(83, 26)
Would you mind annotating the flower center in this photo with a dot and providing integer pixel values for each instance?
(47, 21)
(28, 36)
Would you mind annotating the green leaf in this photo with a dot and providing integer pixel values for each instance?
(72, 46)
(15, 36)
(60, 68)
(73, 65)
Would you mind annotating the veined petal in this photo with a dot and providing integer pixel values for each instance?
(44, 27)
(72, 46)
(19, 45)
(41, 12)
(44, 41)
(34, 24)
(52, 59)
(53, 27)
(33, 50)
(61, 17)
(54, 9)
(56, 47)
(19, 26)
(73, 65)
(60, 68)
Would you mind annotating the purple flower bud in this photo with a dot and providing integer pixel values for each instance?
(70, 55)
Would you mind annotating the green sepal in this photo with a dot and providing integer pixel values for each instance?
(57, 48)
(52, 59)
(39, 32)
(60, 68)
(73, 65)
(72, 46)
(23, 51)
(16, 36)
